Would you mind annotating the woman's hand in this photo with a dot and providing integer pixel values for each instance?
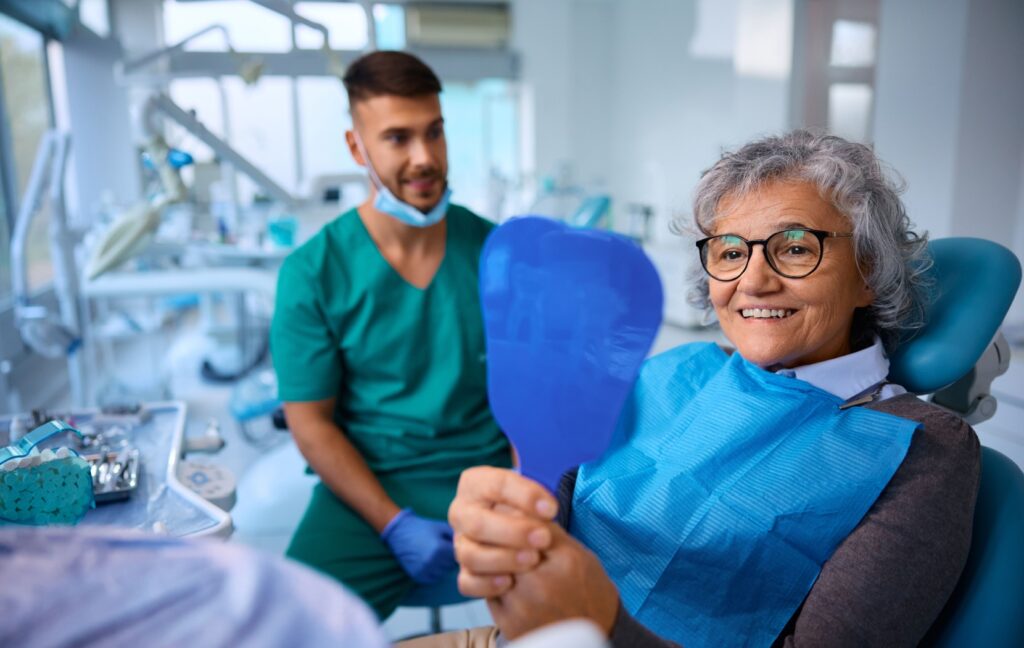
(569, 583)
(501, 523)
(530, 570)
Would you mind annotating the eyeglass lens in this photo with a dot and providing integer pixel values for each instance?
(794, 253)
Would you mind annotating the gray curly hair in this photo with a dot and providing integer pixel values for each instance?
(892, 258)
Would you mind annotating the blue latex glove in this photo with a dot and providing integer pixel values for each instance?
(423, 547)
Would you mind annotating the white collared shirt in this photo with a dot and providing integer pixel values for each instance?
(850, 375)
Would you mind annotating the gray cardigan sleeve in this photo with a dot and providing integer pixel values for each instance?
(887, 582)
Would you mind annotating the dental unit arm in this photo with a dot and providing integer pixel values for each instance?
(285, 9)
(251, 68)
(162, 103)
(334, 62)
(45, 334)
(52, 335)
(130, 230)
(971, 396)
(123, 68)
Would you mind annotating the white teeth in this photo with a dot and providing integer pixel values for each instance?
(766, 313)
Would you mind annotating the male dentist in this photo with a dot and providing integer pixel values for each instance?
(378, 344)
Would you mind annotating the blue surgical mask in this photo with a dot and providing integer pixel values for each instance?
(388, 203)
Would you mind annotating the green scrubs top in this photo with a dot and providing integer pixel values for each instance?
(407, 367)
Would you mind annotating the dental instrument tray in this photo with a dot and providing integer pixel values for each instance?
(153, 498)
(115, 475)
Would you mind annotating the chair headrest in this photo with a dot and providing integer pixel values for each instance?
(974, 282)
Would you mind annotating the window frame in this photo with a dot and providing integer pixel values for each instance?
(813, 74)
(8, 172)
(12, 200)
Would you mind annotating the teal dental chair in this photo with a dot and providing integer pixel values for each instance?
(955, 358)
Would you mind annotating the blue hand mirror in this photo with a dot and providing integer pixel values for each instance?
(569, 316)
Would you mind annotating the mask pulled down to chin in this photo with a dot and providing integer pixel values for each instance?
(388, 203)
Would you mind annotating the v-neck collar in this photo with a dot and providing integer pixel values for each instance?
(391, 268)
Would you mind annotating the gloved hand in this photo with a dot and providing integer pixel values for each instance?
(423, 547)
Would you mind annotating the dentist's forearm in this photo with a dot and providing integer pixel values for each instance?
(341, 466)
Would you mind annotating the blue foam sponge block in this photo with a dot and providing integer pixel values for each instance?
(58, 491)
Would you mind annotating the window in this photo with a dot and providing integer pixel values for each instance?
(324, 117)
(849, 103)
(481, 126)
(849, 110)
(345, 22)
(26, 110)
(836, 54)
(5, 252)
(853, 44)
(265, 137)
(481, 117)
(252, 28)
(389, 21)
(95, 15)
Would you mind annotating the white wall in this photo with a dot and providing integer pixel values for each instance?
(991, 134)
(1016, 316)
(674, 111)
(591, 58)
(640, 96)
(950, 100)
(917, 110)
(987, 195)
(614, 89)
(565, 61)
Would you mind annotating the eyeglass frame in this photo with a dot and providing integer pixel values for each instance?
(821, 235)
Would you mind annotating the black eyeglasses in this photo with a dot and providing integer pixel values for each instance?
(793, 253)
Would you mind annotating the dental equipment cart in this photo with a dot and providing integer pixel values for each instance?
(159, 502)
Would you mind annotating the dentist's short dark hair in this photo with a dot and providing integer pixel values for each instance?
(392, 73)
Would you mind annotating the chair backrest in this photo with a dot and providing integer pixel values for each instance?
(974, 282)
(987, 607)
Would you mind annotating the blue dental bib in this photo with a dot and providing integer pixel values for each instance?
(726, 490)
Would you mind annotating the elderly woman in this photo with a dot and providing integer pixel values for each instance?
(780, 494)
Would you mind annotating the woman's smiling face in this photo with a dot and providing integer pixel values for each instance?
(817, 310)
